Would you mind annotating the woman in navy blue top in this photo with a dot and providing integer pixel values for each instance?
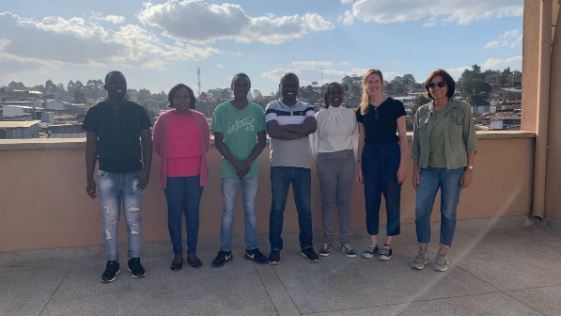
(383, 152)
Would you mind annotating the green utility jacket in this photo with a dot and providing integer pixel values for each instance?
(459, 138)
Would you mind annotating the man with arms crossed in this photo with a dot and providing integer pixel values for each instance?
(289, 122)
(118, 135)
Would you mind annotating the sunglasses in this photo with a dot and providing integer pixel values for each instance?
(440, 84)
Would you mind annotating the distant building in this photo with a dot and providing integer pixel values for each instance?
(20, 112)
(19, 129)
(507, 99)
(408, 101)
(52, 104)
(65, 130)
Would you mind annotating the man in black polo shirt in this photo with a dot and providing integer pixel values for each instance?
(118, 135)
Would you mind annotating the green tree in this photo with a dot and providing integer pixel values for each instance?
(473, 84)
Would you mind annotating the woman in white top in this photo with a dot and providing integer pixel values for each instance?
(335, 147)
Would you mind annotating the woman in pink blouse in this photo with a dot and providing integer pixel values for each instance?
(181, 139)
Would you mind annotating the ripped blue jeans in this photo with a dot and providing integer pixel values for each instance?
(115, 190)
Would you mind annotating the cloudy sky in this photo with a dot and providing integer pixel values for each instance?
(160, 43)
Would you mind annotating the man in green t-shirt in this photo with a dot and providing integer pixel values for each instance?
(239, 135)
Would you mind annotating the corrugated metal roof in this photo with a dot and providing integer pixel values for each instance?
(18, 124)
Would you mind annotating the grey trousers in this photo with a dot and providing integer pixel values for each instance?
(336, 171)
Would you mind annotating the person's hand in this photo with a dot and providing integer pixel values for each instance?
(246, 166)
(91, 189)
(401, 175)
(467, 178)
(143, 178)
(359, 178)
(415, 179)
(309, 119)
(241, 168)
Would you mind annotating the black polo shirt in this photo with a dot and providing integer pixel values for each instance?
(118, 135)
(380, 124)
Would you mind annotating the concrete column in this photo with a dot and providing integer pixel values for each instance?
(553, 178)
(544, 79)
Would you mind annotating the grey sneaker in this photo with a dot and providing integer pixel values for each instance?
(370, 252)
(325, 249)
(420, 261)
(385, 253)
(441, 262)
(348, 251)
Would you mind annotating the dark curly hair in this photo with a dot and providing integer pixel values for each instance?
(173, 91)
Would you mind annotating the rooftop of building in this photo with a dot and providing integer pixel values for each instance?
(498, 267)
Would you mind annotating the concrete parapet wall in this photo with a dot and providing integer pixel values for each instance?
(43, 203)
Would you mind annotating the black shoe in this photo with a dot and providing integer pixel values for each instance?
(111, 270)
(176, 265)
(194, 261)
(256, 256)
(135, 268)
(274, 257)
(221, 258)
(310, 254)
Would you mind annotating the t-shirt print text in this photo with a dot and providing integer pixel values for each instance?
(247, 122)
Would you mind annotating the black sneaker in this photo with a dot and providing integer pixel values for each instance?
(256, 256)
(325, 249)
(310, 254)
(221, 258)
(135, 268)
(274, 257)
(111, 270)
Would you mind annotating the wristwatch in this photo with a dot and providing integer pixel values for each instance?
(470, 167)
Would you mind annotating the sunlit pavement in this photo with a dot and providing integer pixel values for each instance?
(505, 267)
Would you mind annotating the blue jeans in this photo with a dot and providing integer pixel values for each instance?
(379, 170)
(281, 178)
(116, 189)
(229, 189)
(448, 181)
(183, 195)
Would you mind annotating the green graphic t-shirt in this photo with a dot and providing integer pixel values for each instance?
(240, 128)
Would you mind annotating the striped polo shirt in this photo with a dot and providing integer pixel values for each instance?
(295, 152)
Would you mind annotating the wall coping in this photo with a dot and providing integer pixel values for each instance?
(78, 143)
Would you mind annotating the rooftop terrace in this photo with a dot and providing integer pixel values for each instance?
(499, 267)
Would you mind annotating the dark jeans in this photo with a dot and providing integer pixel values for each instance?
(183, 194)
(379, 171)
(281, 178)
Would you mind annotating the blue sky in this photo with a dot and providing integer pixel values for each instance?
(160, 43)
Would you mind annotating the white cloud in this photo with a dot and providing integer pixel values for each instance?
(57, 41)
(219, 66)
(514, 62)
(347, 18)
(314, 70)
(511, 39)
(429, 12)
(347, 1)
(199, 21)
(457, 72)
(312, 64)
(493, 44)
(115, 19)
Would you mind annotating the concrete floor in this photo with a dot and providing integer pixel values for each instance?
(509, 267)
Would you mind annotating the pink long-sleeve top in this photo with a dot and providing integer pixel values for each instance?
(182, 142)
